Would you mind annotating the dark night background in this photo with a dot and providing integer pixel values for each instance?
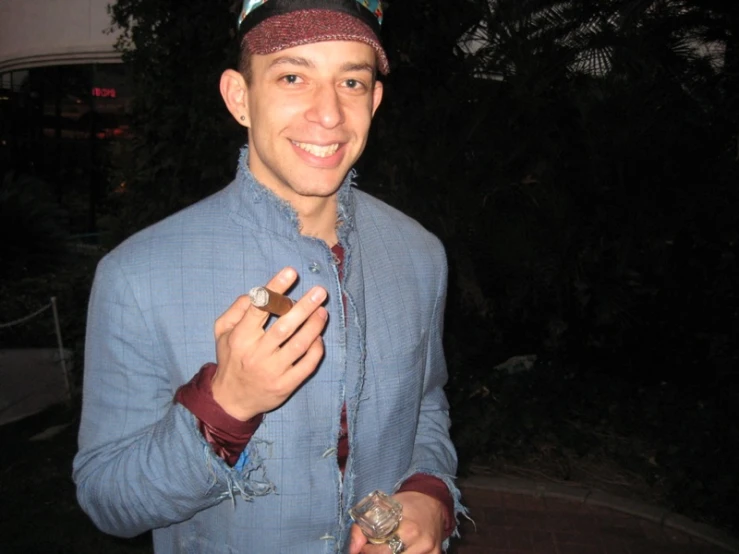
(580, 162)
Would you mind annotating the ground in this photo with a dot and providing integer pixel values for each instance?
(39, 512)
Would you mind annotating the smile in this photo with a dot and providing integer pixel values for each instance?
(318, 151)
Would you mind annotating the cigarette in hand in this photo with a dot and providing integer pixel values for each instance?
(270, 301)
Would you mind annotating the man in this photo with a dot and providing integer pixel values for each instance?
(302, 415)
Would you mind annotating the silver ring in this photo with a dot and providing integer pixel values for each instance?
(396, 545)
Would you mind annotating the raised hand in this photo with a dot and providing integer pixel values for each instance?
(258, 370)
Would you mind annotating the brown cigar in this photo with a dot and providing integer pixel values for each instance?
(270, 301)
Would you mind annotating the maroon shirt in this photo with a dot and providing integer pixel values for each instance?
(229, 436)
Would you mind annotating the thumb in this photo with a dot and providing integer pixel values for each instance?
(358, 540)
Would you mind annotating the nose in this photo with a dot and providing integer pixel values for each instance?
(326, 108)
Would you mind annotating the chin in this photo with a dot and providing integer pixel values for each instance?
(318, 191)
(319, 188)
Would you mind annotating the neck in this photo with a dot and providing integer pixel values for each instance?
(317, 217)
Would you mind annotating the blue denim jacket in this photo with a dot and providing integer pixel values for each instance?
(142, 463)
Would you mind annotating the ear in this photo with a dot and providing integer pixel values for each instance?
(234, 92)
(376, 96)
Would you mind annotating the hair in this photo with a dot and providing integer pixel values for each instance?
(244, 63)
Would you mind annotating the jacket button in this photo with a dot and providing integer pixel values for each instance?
(314, 267)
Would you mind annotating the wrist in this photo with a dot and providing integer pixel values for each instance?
(222, 395)
(435, 488)
(227, 435)
(198, 396)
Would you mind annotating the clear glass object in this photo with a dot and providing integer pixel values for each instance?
(378, 516)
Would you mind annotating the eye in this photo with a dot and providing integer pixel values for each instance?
(355, 84)
(290, 79)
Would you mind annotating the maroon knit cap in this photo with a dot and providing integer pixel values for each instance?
(280, 24)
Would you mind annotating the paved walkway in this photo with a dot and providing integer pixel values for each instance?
(31, 380)
(523, 517)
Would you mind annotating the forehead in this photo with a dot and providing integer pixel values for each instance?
(335, 54)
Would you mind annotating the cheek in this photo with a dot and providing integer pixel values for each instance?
(361, 124)
(358, 114)
(278, 115)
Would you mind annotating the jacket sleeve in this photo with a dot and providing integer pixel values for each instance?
(142, 463)
(433, 451)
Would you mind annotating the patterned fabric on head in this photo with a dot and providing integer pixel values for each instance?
(267, 26)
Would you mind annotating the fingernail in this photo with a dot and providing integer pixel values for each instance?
(318, 294)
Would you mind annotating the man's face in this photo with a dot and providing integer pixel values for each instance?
(309, 112)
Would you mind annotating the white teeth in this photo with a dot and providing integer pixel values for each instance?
(318, 151)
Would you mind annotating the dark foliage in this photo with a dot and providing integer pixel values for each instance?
(32, 226)
(185, 143)
(38, 264)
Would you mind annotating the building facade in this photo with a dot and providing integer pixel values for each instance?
(63, 98)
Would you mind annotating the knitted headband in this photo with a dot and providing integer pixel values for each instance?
(267, 26)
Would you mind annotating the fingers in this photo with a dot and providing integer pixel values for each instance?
(358, 540)
(231, 316)
(292, 343)
(295, 331)
(257, 369)
(239, 310)
(282, 281)
(309, 360)
(298, 344)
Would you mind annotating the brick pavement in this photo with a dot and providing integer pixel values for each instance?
(515, 523)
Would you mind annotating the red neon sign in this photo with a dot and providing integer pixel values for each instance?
(104, 92)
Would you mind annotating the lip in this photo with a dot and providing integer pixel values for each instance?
(329, 162)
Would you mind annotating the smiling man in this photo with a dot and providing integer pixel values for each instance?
(224, 428)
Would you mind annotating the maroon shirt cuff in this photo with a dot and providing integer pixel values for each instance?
(435, 488)
(227, 435)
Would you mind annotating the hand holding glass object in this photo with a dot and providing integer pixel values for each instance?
(378, 516)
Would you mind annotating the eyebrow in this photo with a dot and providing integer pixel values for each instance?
(304, 62)
(292, 60)
(351, 66)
